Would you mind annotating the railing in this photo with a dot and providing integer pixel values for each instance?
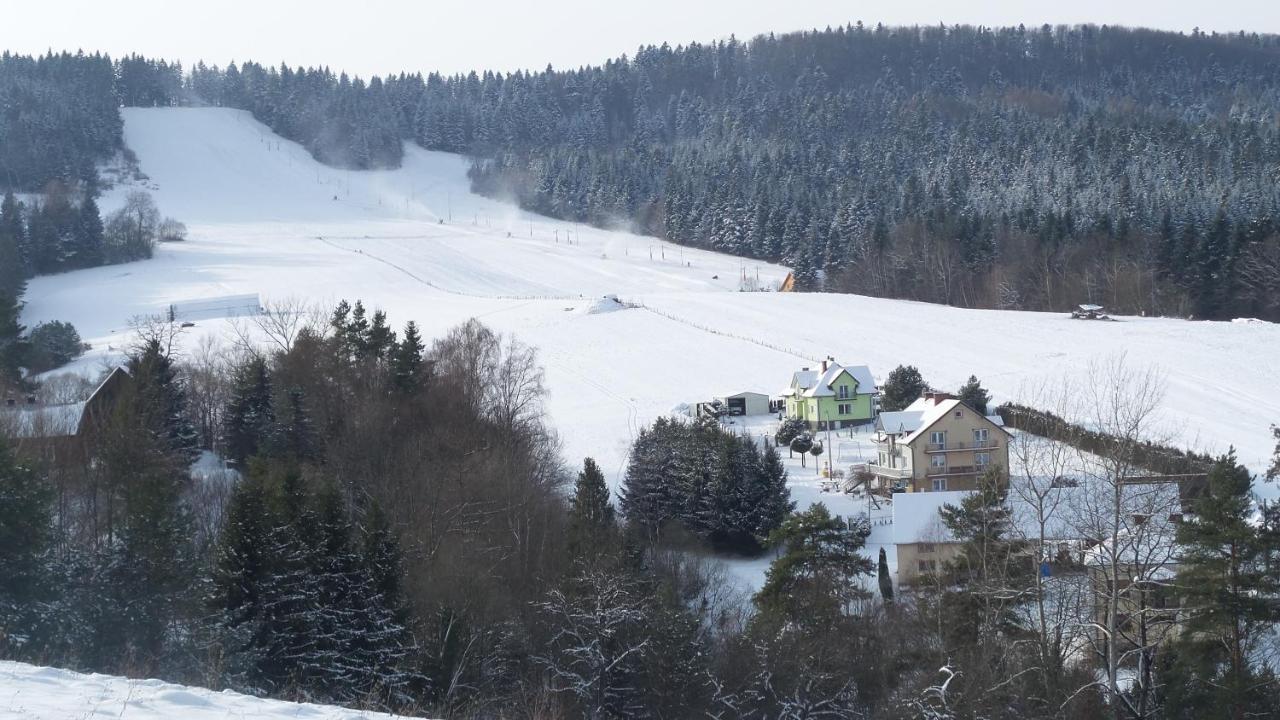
(882, 471)
(957, 470)
(948, 447)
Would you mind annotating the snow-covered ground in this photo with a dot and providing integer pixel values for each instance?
(266, 218)
(28, 692)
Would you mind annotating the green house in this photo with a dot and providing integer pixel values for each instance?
(833, 397)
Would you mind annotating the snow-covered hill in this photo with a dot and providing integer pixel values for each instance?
(266, 218)
(39, 693)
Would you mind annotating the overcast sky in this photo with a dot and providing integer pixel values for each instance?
(381, 36)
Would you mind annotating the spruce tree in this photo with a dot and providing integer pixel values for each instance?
(242, 567)
(406, 360)
(88, 236)
(294, 436)
(248, 422)
(591, 515)
(381, 338)
(26, 517)
(1231, 600)
(163, 399)
(974, 395)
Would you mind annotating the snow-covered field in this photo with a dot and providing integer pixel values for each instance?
(39, 693)
(266, 218)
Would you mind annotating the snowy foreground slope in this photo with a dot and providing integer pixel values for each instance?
(265, 218)
(40, 693)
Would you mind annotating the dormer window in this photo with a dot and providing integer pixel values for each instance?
(843, 392)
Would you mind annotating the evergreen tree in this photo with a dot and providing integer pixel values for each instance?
(26, 517)
(163, 399)
(591, 516)
(817, 574)
(381, 339)
(1232, 602)
(294, 436)
(249, 419)
(88, 244)
(885, 580)
(242, 569)
(406, 360)
(974, 395)
(904, 386)
(13, 232)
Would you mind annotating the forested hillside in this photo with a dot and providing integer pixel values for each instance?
(1013, 168)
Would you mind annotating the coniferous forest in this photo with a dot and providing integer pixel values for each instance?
(1021, 168)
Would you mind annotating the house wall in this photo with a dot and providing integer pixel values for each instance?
(823, 410)
(934, 556)
(959, 434)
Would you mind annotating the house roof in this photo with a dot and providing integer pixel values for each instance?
(49, 421)
(899, 422)
(861, 375)
(800, 380)
(916, 518)
(921, 415)
(44, 421)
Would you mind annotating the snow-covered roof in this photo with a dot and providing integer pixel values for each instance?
(742, 394)
(899, 422)
(48, 421)
(801, 380)
(934, 411)
(32, 421)
(861, 374)
(916, 519)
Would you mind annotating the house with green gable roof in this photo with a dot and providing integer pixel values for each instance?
(833, 396)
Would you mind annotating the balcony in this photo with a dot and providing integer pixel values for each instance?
(989, 444)
(957, 470)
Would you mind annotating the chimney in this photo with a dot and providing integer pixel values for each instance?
(824, 366)
(936, 398)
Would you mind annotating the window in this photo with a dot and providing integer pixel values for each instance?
(982, 459)
(926, 547)
(979, 437)
(845, 408)
(843, 392)
(938, 438)
(938, 461)
(939, 484)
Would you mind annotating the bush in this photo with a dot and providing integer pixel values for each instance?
(172, 230)
(131, 231)
(52, 345)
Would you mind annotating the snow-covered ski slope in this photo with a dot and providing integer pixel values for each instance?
(28, 692)
(266, 218)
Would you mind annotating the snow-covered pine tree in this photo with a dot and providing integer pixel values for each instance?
(26, 516)
(249, 418)
(163, 399)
